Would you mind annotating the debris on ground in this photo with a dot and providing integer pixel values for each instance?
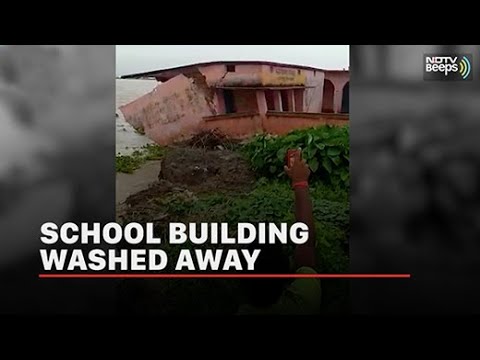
(207, 170)
(211, 139)
(186, 172)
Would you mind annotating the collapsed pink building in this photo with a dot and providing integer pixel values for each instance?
(240, 98)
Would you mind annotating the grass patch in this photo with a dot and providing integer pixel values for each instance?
(129, 163)
(273, 201)
(269, 201)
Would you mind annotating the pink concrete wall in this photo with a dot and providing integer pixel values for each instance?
(172, 111)
(312, 100)
(339, 79)
(238, 126)
(261, 102)
(283, 123)
(247, 69)
(214, 73)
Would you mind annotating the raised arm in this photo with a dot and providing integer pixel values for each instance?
(299, 174)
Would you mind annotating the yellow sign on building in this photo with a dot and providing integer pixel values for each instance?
(277, 76)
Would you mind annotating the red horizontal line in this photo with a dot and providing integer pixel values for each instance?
(224, 276)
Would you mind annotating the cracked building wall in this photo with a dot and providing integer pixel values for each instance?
(172, 111)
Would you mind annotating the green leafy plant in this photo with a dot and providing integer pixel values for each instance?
(127, 164)
(326, 150)
(153, 152)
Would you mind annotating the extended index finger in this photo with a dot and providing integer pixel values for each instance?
(297, 155)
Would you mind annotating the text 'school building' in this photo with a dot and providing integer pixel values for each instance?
(239, 98)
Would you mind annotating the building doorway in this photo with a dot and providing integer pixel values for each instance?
(229, 101)
(328, 93)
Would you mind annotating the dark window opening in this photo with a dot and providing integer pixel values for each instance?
(230, 68)
(270, 100)
(346, 98)
(229, 101)
(299, 72)
(284, 95)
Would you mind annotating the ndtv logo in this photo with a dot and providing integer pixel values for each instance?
(448, 67)
(445, 64)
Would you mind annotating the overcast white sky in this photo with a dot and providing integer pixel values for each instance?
(140, 58)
